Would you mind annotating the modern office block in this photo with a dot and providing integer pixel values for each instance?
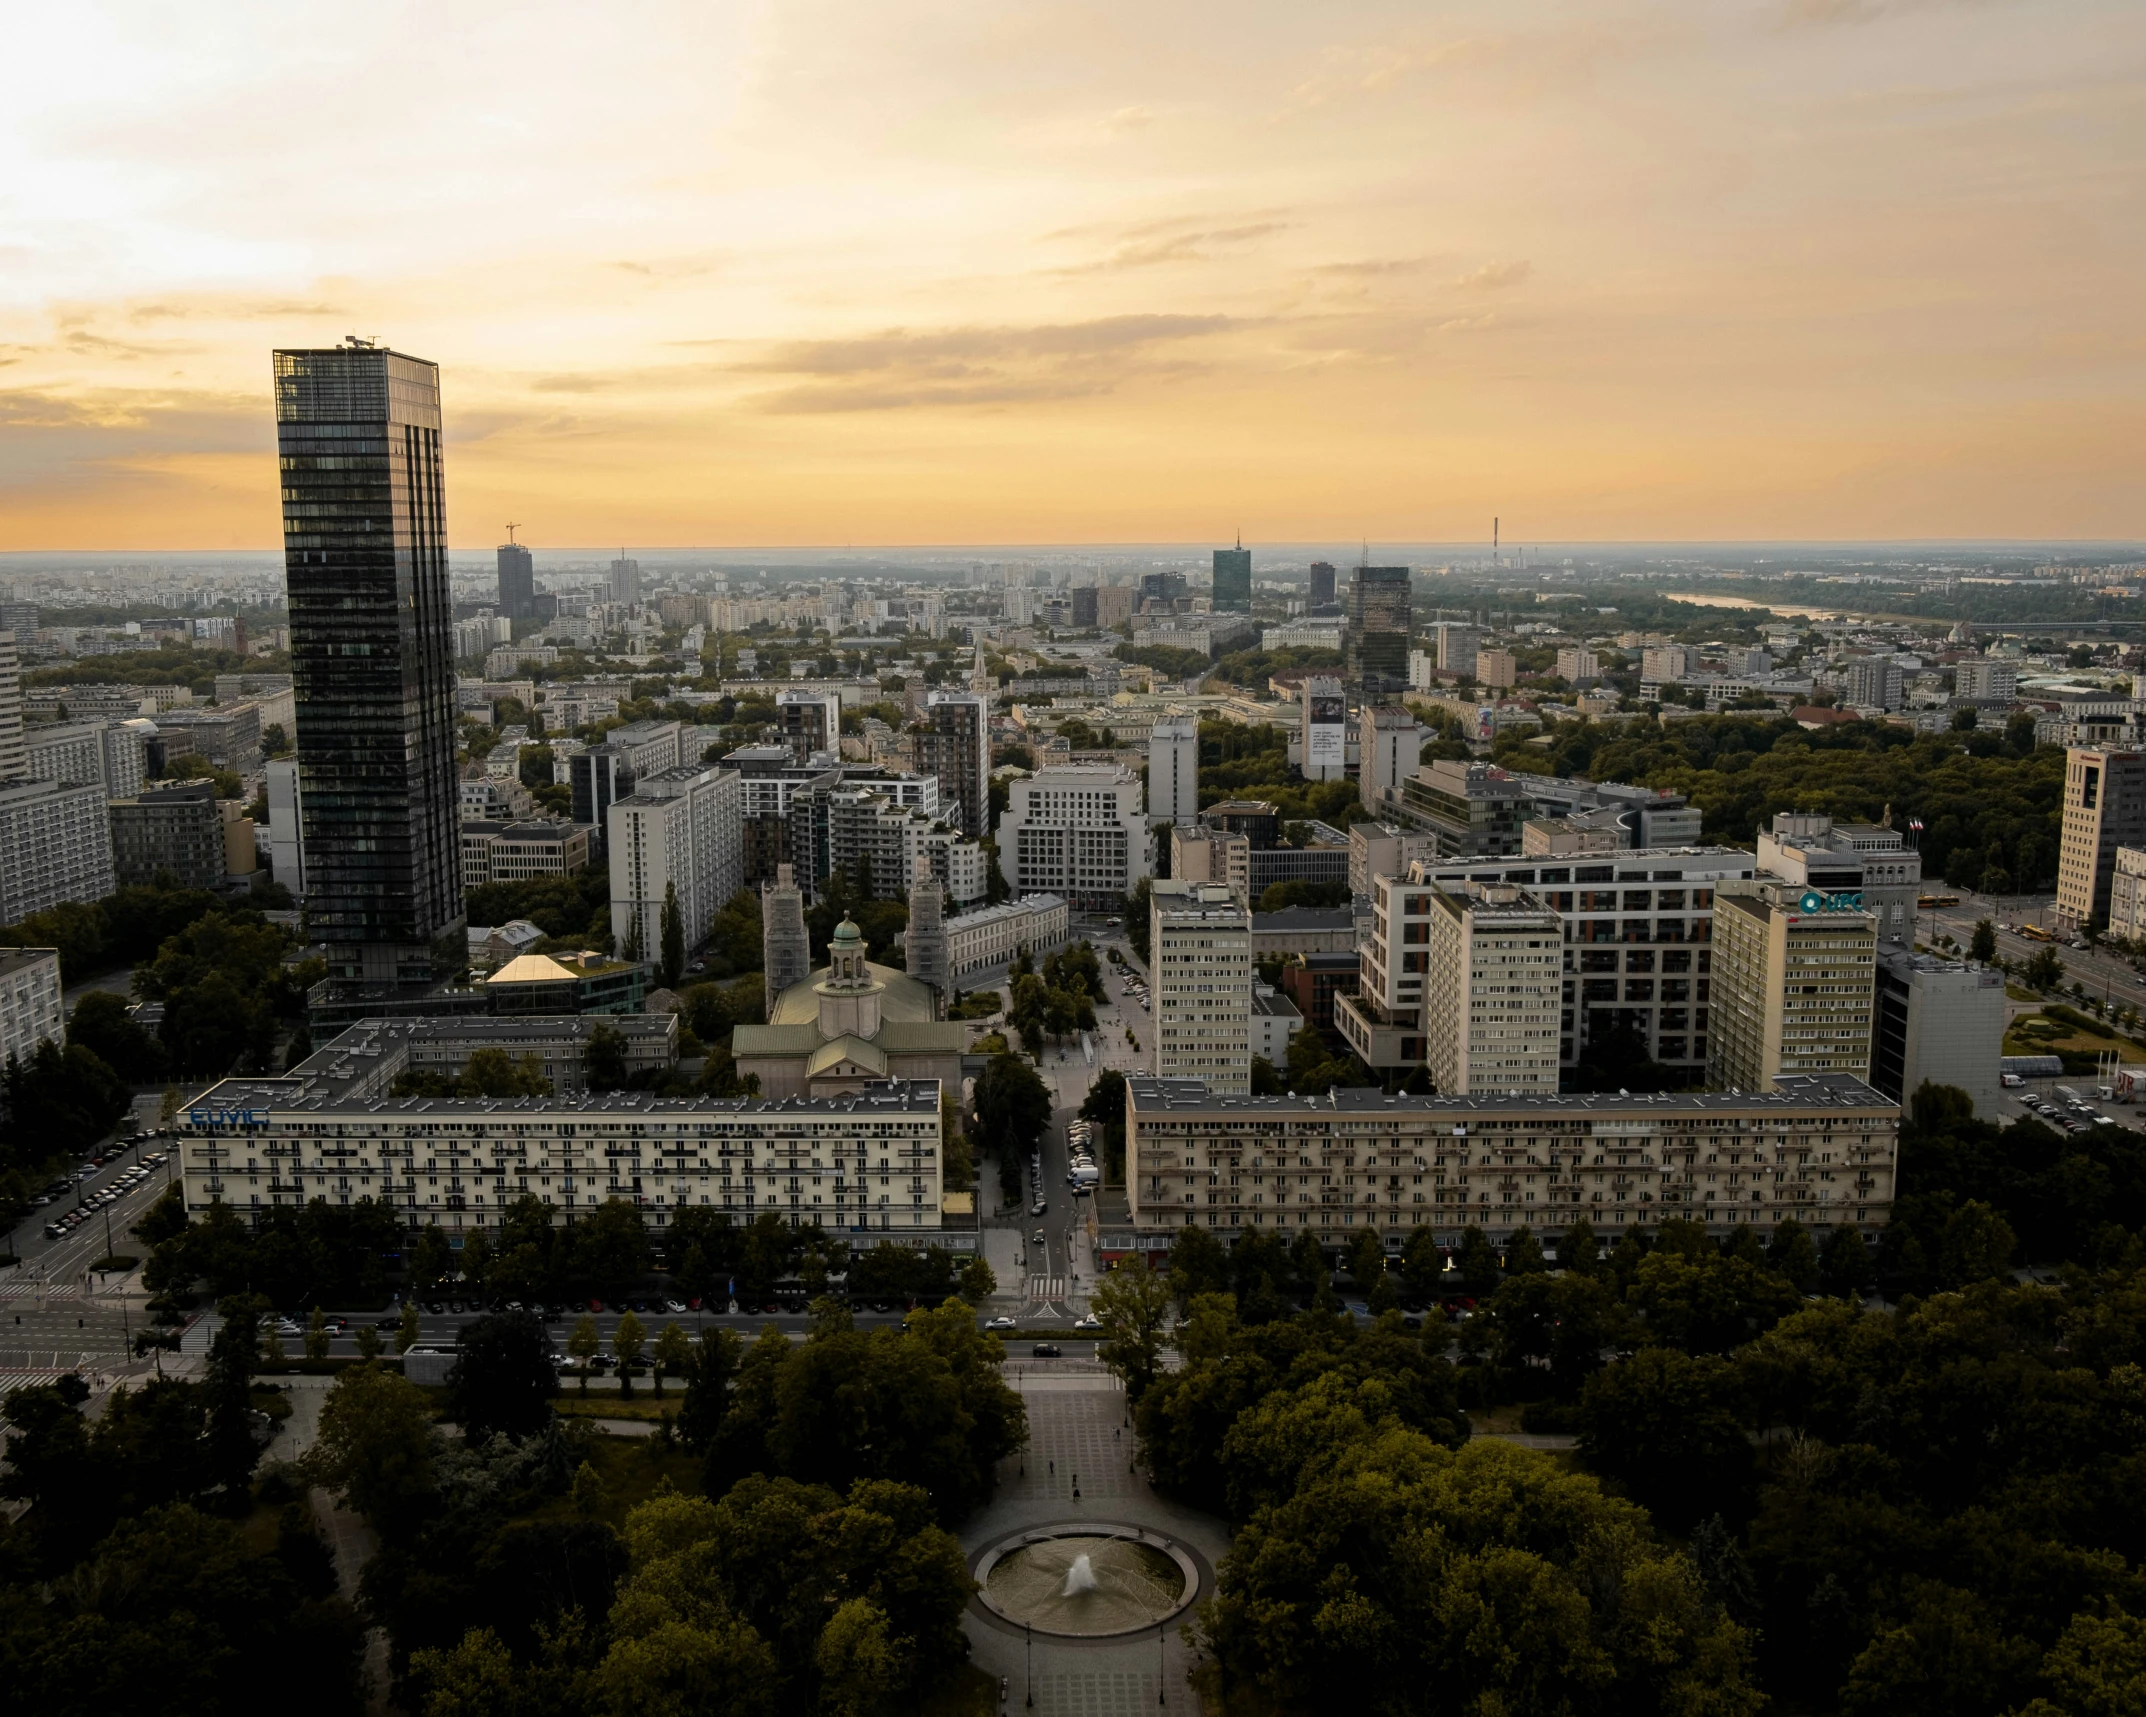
(1200, 964)
(517, 583)
(1378, 628)
(1076, 830)
(372, 659)
(1233, 580)
(1174, 770)
(953, 743)
(1320, 590)
(1794, 975)
(169, 831)
(1871, 862)
(1457, 645)
(1939, 1020)
(2104, 808)
(505, 851)
(811, 722)
(1494, 991)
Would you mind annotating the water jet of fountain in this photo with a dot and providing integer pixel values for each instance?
(1079, 1578)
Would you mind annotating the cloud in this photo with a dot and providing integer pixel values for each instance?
(1167, 247)
(1496, 276)
(1822, 12)
(1374, 265)
(972, 366)
(1127, 119)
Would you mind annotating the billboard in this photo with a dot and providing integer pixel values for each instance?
(1326, 733)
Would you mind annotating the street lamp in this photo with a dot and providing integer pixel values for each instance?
(1028, 1630)
(1162, 1668)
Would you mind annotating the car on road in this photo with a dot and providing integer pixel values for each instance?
(1047, 1350)
(1000, 1322)
(1036, 1238)
(1087, 1320)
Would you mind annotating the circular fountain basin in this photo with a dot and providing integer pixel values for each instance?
(1087, 1582)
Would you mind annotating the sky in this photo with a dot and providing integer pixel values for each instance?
(849, 272)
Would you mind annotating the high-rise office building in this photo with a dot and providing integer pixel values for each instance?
(1456, 648)
(1200, 952)
(372, 659)
(1174, 770)
(1494, 990)
(1941, 1020)
(1233, 580)
(517, 582)
(1322, 585)
(1378, 629)
(2104, 808)
(1794, 976)
(625, 579)
(953, 742)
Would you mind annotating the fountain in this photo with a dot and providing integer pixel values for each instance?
(1087, 1583)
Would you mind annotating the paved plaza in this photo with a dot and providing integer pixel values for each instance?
(1077, 1429)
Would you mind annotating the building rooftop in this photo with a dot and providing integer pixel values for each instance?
(240, 1102)
(1151, 1095)
(1027, 905)
(1305, 918)
(15, 959)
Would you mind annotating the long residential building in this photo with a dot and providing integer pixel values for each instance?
(1494, 989)
(1820, 1150)
(30, 1010)
(868, 1160)
(55, 847)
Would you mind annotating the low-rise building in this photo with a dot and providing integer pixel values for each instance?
(1275, 1020)
(1819, 1150)
(492, 946)
(868, 1160)
(177, 831)
(989, 938)
(1314, 981)
(1303, 930)
(513, 852)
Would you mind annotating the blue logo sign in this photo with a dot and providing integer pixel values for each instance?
(1813, 901)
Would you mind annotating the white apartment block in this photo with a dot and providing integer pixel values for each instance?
(1985, 677)
(1077, 830)
(1578, 664)
(55, 846)
(680, 827)
(1819, 1150)
(989, 939)
(29, 1002)
(1174, 771)
(1200, 963)
(865, 1161)
(14, 762)
(1495, 990)
(286, 826)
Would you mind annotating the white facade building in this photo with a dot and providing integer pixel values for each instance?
(29, 1002)
(1494, 991)
(55, 847)
(865, 1160)
(1275, 1020)
(286, 827)
(1200, 961)
(682, 827)
(1174, 770)
(985, 940)
(1077, 830)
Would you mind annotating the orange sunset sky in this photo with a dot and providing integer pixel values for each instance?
(941, 271)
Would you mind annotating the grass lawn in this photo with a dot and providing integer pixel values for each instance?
(606, 1404)
(968, 1692)
(631, 1468)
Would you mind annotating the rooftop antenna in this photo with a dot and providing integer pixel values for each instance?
(512, 527)
(1493, 542)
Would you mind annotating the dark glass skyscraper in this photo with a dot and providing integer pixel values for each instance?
(1233, 580)
(517, 582)
(372, 660)
(1322, 585)
(1378, 629)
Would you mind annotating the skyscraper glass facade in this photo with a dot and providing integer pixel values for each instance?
(1378, 628)
(1233, 580)
(517, 582)
(372, 659)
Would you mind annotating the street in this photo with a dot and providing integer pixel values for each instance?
(2101, 970)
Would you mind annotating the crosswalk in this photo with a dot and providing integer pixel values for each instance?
(10, 1381)
(21, 1287)
(1042, 1288)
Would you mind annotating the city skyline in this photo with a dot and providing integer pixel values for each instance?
(1799, 270)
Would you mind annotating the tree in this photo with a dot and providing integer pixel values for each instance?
(503, 1381)
(1665, 1424)
(1132, 1303)
(584, 1345)
(1983, 945)
(856, 1661)
(375, 1449)
(1978, 1244)
(978, 1282)
(406, 1332)
(626, 1342)
(1844, 1264)
(2043, 970)
(430, 1260)
(1792, 1255)
(673, 1352)
(1198, 1264)
(317, 1335)
(1523, 1254)
(233, 1355)
(671, 962)
(1476, 1263)
(604, 1061)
